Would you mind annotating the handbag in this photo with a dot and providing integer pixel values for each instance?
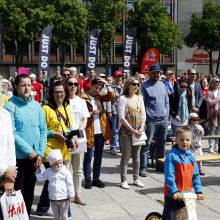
(13, 206)
(82, 146)
(139, 141)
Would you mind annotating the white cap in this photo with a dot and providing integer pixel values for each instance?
(81, 74)
(32, 75)
(73, 69)
(102, 74)
(6, 81)
(54, 156)
(193, 115)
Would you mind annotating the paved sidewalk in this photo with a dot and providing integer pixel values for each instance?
(114, 203)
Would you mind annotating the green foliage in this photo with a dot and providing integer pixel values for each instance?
(154, 28)
(22, 19)
(205, 31)
(67, 17)
(106, 15)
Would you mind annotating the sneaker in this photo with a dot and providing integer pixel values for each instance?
(47, 213)
(211, 150)
(143, 172)
(138, 183)
(88, 184)
(98, 183)
(124, 185)
(113, 151)
(201, 172)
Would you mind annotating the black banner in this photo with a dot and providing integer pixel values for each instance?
(44, 51)
(1, 39)
(129, 42)
(92, 48)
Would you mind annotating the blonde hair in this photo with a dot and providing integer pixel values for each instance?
(183, 130)
(211, 83)
(127, 83)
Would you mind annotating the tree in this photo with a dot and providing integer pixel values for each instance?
(22, 19)
(106, 15)
(68, 19)
(205, 32)
(15, 16)
(154, 28)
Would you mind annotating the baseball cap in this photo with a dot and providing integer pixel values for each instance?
(32, 75)
(102, 75)
(118, 73)
(169, 72)
(155, 68)
(193, 115)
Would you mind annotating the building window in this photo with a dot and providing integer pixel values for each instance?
(9, 47)
(168, 7)
(80, 49)
(118, 49)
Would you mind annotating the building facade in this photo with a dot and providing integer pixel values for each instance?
(179, 11)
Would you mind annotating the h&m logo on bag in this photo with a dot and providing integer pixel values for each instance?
(15, 209)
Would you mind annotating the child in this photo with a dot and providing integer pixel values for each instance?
(181, 173)
(60, 186)
(197, 132)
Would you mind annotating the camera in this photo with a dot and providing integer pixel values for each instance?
(69, 136)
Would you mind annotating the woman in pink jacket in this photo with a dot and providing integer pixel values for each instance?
(213, 104)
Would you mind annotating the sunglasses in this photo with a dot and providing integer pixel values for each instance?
(195, 119)
(135, 84)
(217, 81)
(183, 87)
(65, 75)
(142, 79)
(73, 84)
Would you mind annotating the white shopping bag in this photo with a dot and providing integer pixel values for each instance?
(13, 206)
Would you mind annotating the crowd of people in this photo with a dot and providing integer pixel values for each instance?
(62, 123)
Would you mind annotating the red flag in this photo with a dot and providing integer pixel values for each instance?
(150, 57)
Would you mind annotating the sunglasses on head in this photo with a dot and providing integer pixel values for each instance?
(135, 84)
(73, 84)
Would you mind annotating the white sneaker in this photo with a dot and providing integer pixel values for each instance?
(211, 150)
(124, 185)
(138, 183)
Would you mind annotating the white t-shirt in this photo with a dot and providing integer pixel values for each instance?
(79, 110)
(97, 127)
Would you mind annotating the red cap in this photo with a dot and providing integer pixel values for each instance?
(118, 73)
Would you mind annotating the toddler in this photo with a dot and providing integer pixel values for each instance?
(197, 132)
(60, 186)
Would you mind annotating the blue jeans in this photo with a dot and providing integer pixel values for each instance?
(98, 150)
(114, 141)
(157, 130)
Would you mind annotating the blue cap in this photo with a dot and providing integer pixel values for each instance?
(155, 68)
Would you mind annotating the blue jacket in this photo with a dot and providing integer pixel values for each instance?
(181, 172)
(29, 125)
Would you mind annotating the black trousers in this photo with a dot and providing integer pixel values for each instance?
(26, 180)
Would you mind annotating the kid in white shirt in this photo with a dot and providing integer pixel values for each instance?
(60, 186)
